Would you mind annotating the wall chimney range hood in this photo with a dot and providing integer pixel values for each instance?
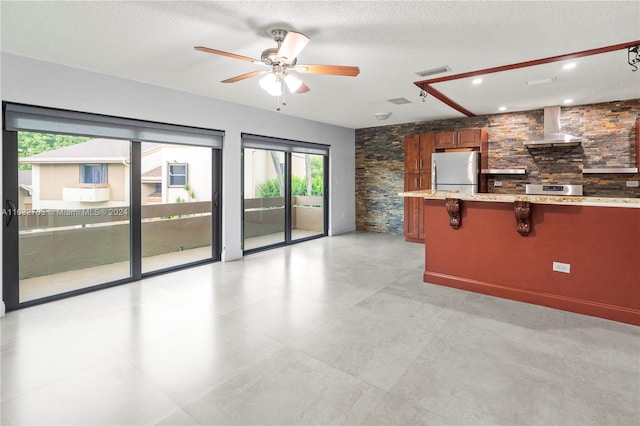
(552, 134)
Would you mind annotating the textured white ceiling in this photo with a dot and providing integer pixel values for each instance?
(152, 42)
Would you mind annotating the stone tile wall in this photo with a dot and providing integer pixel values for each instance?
(607, 131)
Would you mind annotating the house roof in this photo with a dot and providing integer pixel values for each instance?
(95, 150)
(153, 175)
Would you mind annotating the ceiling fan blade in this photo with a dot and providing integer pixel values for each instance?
(227, 54)
(243, 76)
(292, 45)
(343, 70)
(303, 88)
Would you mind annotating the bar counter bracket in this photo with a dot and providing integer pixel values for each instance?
(453, 208)
(522, 210)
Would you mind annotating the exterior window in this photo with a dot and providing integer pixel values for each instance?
(177, 174)
(93, 173)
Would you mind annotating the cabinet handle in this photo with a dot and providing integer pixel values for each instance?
(421, 164)
(420, 182)
(416, 164)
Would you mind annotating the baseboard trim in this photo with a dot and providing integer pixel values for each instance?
(414, 240)
(579, 306)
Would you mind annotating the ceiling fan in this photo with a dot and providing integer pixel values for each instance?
(283, 65)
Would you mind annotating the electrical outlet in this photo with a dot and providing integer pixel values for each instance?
(632, 184)
(562, 267)
(497, 183)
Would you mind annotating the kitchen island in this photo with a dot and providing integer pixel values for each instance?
(579, 254)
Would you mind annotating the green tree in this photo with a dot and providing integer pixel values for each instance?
(317, 186)
(317, 163)
(271, 187)
(31, 143)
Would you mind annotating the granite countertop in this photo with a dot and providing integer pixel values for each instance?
(540, 199)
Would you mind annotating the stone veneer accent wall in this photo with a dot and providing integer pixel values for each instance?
(607, 131)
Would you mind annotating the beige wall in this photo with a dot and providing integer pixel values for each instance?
(118, 182)
(24, 199)
(53, 177)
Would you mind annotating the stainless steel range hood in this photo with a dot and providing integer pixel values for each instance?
(552, 134)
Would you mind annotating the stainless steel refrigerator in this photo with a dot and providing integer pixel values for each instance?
(456, 171)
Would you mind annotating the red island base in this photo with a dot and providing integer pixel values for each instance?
(599, 246)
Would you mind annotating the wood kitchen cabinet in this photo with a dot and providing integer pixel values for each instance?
(417, 152)
(638, 143)
(417, 176)
(471, 138)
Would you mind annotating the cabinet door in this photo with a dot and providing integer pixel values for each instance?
(412, 208)
(445, 140)
(425, 180)
(469, 138)
(412, 181)
(638, 143)
(412, 154)
(427, 147)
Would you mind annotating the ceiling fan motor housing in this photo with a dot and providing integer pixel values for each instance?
(278, 35)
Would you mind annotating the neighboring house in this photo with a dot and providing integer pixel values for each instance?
(95, 174)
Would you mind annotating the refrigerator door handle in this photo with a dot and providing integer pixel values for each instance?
(434, 175)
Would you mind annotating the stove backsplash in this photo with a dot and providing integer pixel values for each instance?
(608, 139)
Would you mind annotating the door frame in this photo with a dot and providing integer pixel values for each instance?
(10, 235)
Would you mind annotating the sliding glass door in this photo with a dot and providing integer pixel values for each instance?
(264, 201)
(307, 195)
(72, 213)
(176, 205)
(284, 186)
(94, 201)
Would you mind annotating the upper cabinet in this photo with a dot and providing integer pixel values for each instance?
(417, 152)
(638, 143)
(461, 139)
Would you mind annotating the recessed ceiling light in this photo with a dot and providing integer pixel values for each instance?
(502, 108)
(569, 66)
(568, 101)
(539, 82)
(477, 81)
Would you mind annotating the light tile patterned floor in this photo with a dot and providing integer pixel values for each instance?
(338, 330)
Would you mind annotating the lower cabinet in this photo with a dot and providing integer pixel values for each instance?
(413, 209)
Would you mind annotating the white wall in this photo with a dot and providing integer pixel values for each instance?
(33, 82)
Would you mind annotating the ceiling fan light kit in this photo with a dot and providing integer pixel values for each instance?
(283, 63)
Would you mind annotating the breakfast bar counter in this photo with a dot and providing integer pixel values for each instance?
(539, 199)
(575, 253)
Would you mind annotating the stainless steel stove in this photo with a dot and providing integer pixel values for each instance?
(553, 189)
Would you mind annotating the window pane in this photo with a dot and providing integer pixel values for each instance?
(307, 190)
(176, 213)
(264, 214)
(93, 173)
(178, 169)
(70, 235)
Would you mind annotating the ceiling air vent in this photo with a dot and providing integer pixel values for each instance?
(433, 71)
(399, 101)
